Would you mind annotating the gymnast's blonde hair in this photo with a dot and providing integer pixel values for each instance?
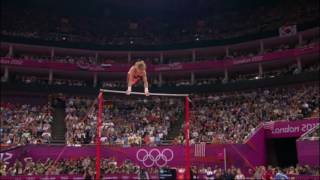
(141, 65)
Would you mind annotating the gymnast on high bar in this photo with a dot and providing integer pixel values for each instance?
(136, 73)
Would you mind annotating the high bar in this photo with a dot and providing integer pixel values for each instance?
(140, 93)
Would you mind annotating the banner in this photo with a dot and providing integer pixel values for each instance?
(240, 155)
(200, 150)
(144, 156)
(121, 176)
(191, 66)
(285, 129)
(308, 152)
(28, 63)
(75, 177)
(245, 156)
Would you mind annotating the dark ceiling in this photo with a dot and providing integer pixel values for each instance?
(181, 8)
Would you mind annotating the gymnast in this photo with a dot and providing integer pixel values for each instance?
(136, 73)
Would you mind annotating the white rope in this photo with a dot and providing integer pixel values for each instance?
(140, 93)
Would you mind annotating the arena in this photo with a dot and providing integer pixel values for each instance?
(160, 89)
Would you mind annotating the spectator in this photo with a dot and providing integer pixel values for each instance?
(239, 175)
(280, 175)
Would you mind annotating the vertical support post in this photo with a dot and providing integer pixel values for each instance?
(192, 78)
(225, 158)
(261, 46)
(160, 80)
(227, 51)
(50, 77)
(226, 75)
(300, 39)
(96, 58)
(129, 57)
(299, 63)
(194, 56)
(52, 53)
(187, 132)
(5, 76)
(98, 139)
(10, 53)
(95, 79)
(6, 73)
(161, 58)
(260, 70)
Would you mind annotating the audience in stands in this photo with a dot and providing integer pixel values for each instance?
(151, 30)
(291, 70)
(215, 118)
(66, 167)
(121, 124)
(91, 60)
(25, 124)
(231, 117)
(109, 166)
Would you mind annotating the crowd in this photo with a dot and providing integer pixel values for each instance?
(86, 165)
(214, 23)
(217, 56)
(154, 83)
(113, 84)
(238, 77)
(216, 118)
(25, 124)
(259, 172)
(231, 117)
(228, 117)
(66, 167)
(122, 125)
(29, 79)
(79, 128)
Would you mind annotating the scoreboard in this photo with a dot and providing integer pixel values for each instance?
(166, 173)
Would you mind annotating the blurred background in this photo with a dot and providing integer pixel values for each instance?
(251, 69)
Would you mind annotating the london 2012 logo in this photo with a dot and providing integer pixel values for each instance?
(155, 156)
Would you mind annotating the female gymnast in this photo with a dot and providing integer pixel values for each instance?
(136, 73)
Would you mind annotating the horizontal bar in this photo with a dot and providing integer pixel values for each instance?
(140, 93)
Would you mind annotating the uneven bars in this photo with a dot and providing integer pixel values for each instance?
(140, 93)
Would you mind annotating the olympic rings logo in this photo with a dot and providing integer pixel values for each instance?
(154, 157)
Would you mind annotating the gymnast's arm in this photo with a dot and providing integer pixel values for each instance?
(130, 80)
(146, 84)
